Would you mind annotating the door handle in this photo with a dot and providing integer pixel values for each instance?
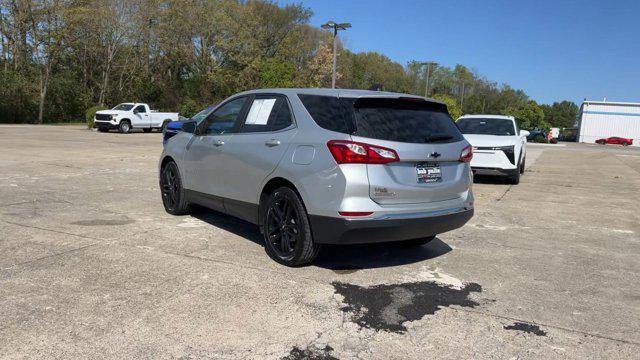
(272, 142)
(218, 143)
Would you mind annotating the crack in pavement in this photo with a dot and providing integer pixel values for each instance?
(557, 327)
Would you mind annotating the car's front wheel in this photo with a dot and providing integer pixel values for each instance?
(173, 195)
(514, 178)
(286, 229)
(522, 165)
(124, 127)
(624, 143)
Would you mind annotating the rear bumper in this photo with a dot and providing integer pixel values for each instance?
(493, 171)
(332, 230)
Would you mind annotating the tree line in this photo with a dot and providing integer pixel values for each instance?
(61, 57)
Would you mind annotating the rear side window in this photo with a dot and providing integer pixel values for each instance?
(392, 119)
(330, 112)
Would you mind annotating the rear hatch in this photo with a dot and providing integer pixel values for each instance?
(428, 145)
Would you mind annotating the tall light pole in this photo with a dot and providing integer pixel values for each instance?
(428, 65)
(332, 25)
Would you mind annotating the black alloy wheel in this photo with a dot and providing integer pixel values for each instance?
(286, 229)
(283, 227)
(173, 197)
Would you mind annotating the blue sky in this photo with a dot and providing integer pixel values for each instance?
(553, 50)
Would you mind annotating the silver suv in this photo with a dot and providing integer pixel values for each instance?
(321, 166)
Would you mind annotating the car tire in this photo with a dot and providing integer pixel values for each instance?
(124, 127)
(514, 179)
(173, 194)
(625, 143)
(147, 130)
(418, 242)
(286, 229)
(522, 165)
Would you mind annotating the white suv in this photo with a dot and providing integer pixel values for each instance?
(499, 147)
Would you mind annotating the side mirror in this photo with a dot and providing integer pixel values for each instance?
(524, 133)
(136, 111)
(190, 127)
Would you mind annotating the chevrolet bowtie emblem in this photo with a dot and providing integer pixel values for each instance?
(434, 155)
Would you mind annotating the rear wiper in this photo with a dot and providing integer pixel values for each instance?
(437, 137)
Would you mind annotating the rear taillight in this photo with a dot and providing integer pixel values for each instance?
(467, 154)
(351, 152)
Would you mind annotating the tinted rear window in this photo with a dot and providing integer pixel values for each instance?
(330, 112)
(486, 126)
(402, 120)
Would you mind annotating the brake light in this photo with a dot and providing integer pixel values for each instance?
(351, 152)
(466, 155)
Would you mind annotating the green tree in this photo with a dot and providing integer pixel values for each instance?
(561, 114)
(452, 105)
(56, 59)
(528, 116)
(277, 73)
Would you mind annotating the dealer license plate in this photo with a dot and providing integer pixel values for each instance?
(428, 172)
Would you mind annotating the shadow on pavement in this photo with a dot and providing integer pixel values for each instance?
(349, 258)
(487, 179)
(340, 258)
(229, 223)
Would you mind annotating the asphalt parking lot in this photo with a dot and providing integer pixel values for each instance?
(91, 266)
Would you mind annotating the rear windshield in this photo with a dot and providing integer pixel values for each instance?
(403, 120)
(486, 126)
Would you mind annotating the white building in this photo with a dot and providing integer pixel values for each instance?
(602, 119)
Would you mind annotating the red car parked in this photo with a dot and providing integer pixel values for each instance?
(615, 140)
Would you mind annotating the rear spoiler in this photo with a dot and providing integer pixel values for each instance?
(429, 104)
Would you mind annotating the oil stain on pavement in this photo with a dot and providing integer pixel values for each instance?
(387, 307)
(310, 354)
(528, 328)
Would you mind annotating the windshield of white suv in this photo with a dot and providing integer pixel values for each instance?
(123, 107)
(486, 126)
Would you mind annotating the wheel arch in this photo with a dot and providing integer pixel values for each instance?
(165, 160)
(268, 188)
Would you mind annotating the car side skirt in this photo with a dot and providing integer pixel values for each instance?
(240, 209)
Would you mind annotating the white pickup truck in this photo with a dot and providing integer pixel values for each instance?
(127, 116)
